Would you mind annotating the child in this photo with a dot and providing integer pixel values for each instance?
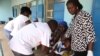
(62, 48)
(59, 34)
(67, 44)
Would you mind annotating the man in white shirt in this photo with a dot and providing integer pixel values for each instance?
(20, 20)
(31, 36)
(8, 28)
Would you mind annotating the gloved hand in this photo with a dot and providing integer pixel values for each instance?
(90, 53)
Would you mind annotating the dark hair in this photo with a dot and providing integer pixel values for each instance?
(67, 39)
(25, 9)
(76, 3)
(64, 24)
(53, 24)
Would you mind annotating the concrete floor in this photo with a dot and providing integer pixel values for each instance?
(4, 43)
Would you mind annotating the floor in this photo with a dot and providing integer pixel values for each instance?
(4, 43)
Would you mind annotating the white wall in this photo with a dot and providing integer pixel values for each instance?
(17, 2)
(5, 10)
(87, 6)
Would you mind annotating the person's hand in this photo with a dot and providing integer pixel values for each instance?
(90, 53)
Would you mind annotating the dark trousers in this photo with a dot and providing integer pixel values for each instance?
(18, 54)
(84, 53)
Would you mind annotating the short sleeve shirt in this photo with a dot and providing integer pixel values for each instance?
(29, 37)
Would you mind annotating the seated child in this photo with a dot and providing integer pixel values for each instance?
(60, 31)
(57, 48)
(67, 44)
(62, 48)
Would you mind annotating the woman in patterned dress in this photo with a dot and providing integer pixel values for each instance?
(81, 29)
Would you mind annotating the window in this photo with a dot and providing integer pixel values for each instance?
(37, 10)
(58, 11)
